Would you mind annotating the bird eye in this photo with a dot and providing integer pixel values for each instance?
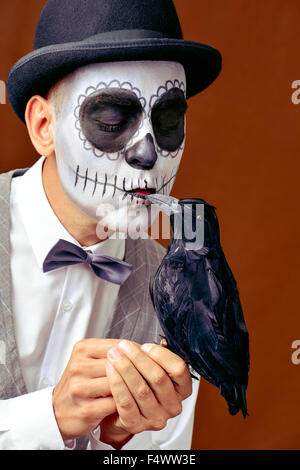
(176, 264)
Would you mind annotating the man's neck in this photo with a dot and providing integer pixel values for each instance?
(79, 225)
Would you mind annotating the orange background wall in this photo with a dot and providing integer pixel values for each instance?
(242, 156)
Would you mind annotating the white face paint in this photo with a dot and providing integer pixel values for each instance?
(106, 151)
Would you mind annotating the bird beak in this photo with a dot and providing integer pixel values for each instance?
(166, 203)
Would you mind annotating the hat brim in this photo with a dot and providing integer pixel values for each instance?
(39, 70)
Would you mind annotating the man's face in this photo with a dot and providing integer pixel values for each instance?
(119, 134)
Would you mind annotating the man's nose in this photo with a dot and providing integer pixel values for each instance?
(142, 155)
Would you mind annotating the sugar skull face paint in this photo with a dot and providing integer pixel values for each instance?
(119, 131)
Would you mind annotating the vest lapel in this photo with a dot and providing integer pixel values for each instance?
(134, 317)
(12, 382)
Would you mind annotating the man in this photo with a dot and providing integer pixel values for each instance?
(104, 99)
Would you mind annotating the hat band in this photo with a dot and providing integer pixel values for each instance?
(124, 34)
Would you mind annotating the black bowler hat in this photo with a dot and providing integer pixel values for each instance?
(73, 33)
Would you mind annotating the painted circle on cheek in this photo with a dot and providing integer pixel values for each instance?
(107, 142)
(167, 109)
(110, 118)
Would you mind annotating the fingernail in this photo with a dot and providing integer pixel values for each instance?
(146, 347)
(125, 345)
(114, 354)
(109, 369)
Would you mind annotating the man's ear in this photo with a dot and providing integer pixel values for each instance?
(39, 121)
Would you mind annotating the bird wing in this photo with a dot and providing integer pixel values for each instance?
(192, 310)
(175, 309)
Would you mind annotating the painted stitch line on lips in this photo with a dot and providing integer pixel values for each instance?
(96, 182)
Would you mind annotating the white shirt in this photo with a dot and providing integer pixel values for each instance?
(52, 311)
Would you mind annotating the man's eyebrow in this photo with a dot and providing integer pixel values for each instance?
(171, 99)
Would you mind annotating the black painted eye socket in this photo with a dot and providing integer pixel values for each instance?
(168, 117)
(109, 118)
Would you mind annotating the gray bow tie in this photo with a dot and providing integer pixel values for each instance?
(106, 267)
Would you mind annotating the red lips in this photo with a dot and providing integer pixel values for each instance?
(143, 192)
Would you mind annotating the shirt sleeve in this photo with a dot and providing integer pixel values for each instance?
(27, 422)
(177, 435)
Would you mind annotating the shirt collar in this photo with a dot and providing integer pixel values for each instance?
(42, 226)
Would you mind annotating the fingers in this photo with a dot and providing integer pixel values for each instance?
(87, 367)
(97, 406)
(82, 398)
(158, 380)
(136, 385)
(175, 367)
(94, 347)
(96, 388)
(129, 413)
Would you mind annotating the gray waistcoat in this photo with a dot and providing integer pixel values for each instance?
(133, 317)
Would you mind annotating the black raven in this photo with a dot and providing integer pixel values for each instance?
(197, 302)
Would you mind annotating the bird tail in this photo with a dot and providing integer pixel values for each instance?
(236, 399)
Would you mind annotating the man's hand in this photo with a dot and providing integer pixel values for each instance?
(148, 384)
(82, 398)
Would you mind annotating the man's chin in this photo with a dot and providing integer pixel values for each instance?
(129, 218)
